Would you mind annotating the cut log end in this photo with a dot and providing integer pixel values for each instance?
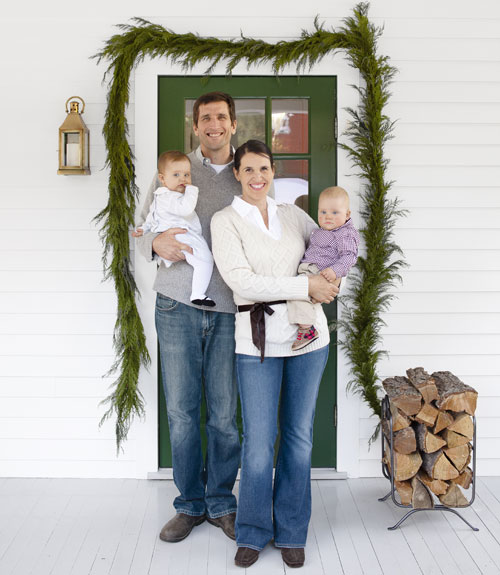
(421, 497)
(454, 497)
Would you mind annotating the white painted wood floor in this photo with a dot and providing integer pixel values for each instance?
(100, 527)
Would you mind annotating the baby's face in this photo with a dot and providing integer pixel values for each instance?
(176, 175)
(333, 213)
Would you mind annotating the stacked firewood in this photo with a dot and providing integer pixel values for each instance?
(432, 433)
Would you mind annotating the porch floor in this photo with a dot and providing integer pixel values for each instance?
(90, 526)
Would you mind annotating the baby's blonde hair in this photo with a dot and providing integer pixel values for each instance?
(335, 192)
(170, 156)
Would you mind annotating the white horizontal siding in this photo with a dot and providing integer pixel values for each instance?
(56, 314)
(445, 162)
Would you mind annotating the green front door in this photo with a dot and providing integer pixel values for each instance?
(296, 118)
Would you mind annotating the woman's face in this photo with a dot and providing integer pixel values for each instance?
(255, 175)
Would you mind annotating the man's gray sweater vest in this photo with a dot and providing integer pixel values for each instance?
(216, 192)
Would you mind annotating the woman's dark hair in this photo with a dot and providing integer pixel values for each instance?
(252, 147)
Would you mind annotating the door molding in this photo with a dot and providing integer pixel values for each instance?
(144, 112)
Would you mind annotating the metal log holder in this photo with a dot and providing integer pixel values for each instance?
(387, 416)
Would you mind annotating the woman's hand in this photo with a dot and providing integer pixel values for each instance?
(167, 247)
(321, 290)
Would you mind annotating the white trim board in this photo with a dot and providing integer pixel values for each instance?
(166, 473)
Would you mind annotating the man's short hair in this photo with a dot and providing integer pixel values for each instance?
(171, 156)
(214, 97)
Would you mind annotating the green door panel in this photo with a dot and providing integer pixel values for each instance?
(318, 161)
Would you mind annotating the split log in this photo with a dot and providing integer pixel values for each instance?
(454, 497)
(464, 479)
(405, 465)
(399, 419)
(405, 491)
(438, 466)
(404, 440)
(424, 383)
(444, 419)
(459, 455)
(463, 425)
(421, 497)
(437, 486)
(403, 395)
(427, 441)
(427, 415)
(454, 395)
(454, 439)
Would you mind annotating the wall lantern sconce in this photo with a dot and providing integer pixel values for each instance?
(74, 141)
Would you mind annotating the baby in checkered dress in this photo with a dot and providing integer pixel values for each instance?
(332, 251)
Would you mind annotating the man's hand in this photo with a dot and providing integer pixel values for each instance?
(167, 247)
(321, 290)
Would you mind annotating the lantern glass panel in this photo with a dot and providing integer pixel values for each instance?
(86, 161)
(71, 147)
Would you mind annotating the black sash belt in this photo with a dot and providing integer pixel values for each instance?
(258, 321)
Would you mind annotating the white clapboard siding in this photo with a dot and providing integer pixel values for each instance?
(458, 197)
(464, 91)
(465, 260)
(420, 323)
(76, 195)
(49, 386)
(446, 302)
(448, 238)
(53, 324)
(461, 154)
(463, 364)
(91, 302)
(57, 315)
(37, 219)
(49, 239)
(51, 428)
(409, 132)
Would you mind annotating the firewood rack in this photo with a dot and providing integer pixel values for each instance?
(387, 416)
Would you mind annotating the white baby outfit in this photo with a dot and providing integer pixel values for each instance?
(171, 209)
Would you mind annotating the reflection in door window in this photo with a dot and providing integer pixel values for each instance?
(290, 123)
(251, 115)
(291, 182)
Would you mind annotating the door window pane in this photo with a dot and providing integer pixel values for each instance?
(251, 115)
(290, 124)
(291, 182)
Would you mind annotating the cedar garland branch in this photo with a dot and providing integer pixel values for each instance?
(368, 131)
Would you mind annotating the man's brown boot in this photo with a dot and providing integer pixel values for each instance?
(179, 527)
(226, 523)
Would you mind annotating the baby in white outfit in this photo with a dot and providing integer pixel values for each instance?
(173, 206)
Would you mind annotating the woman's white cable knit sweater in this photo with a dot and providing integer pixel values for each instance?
(260, 268)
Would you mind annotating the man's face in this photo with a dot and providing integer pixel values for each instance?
(214, 127)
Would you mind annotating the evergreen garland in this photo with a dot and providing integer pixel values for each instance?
(368, 131)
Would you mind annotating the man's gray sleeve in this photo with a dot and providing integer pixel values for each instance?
(145, 243)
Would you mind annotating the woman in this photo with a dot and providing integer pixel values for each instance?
(257, 246)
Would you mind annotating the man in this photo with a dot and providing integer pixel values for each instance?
(196, 343)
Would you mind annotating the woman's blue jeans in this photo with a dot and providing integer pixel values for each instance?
(196, 355)
(282, 512)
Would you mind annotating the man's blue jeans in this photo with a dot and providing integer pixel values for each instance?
(196, 354)
(289, 503)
